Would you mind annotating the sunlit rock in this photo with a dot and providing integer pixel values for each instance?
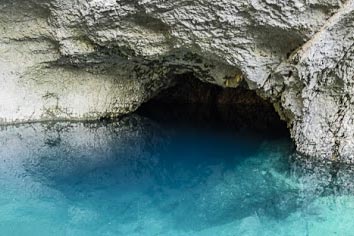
(86, 60)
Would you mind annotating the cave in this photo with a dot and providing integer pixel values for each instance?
(198, 104)
(121, 117)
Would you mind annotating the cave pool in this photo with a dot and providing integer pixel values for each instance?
(137, 177)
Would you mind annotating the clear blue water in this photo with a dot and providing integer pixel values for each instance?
(136, 177)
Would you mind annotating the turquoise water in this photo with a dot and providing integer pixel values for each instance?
(138, 177)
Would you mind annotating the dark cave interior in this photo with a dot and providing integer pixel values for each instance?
(203, 105)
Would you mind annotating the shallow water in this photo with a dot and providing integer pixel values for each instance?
(138, 177)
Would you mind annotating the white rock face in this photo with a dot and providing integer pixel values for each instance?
(87, 59)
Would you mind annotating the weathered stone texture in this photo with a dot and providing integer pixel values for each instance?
(87, 59)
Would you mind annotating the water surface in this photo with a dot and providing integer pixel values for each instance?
(138, 177)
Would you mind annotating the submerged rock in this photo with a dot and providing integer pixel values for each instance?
(136, 177)
(92, 59)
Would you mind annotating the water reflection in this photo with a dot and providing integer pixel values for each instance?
(135, 177)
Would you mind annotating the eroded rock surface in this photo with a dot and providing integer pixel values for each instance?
(87, 59)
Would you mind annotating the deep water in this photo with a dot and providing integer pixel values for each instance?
(139, 177)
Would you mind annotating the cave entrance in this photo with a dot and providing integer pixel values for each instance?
(204, 105)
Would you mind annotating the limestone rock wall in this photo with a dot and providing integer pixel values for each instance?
(87, 59)
(316, 90)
